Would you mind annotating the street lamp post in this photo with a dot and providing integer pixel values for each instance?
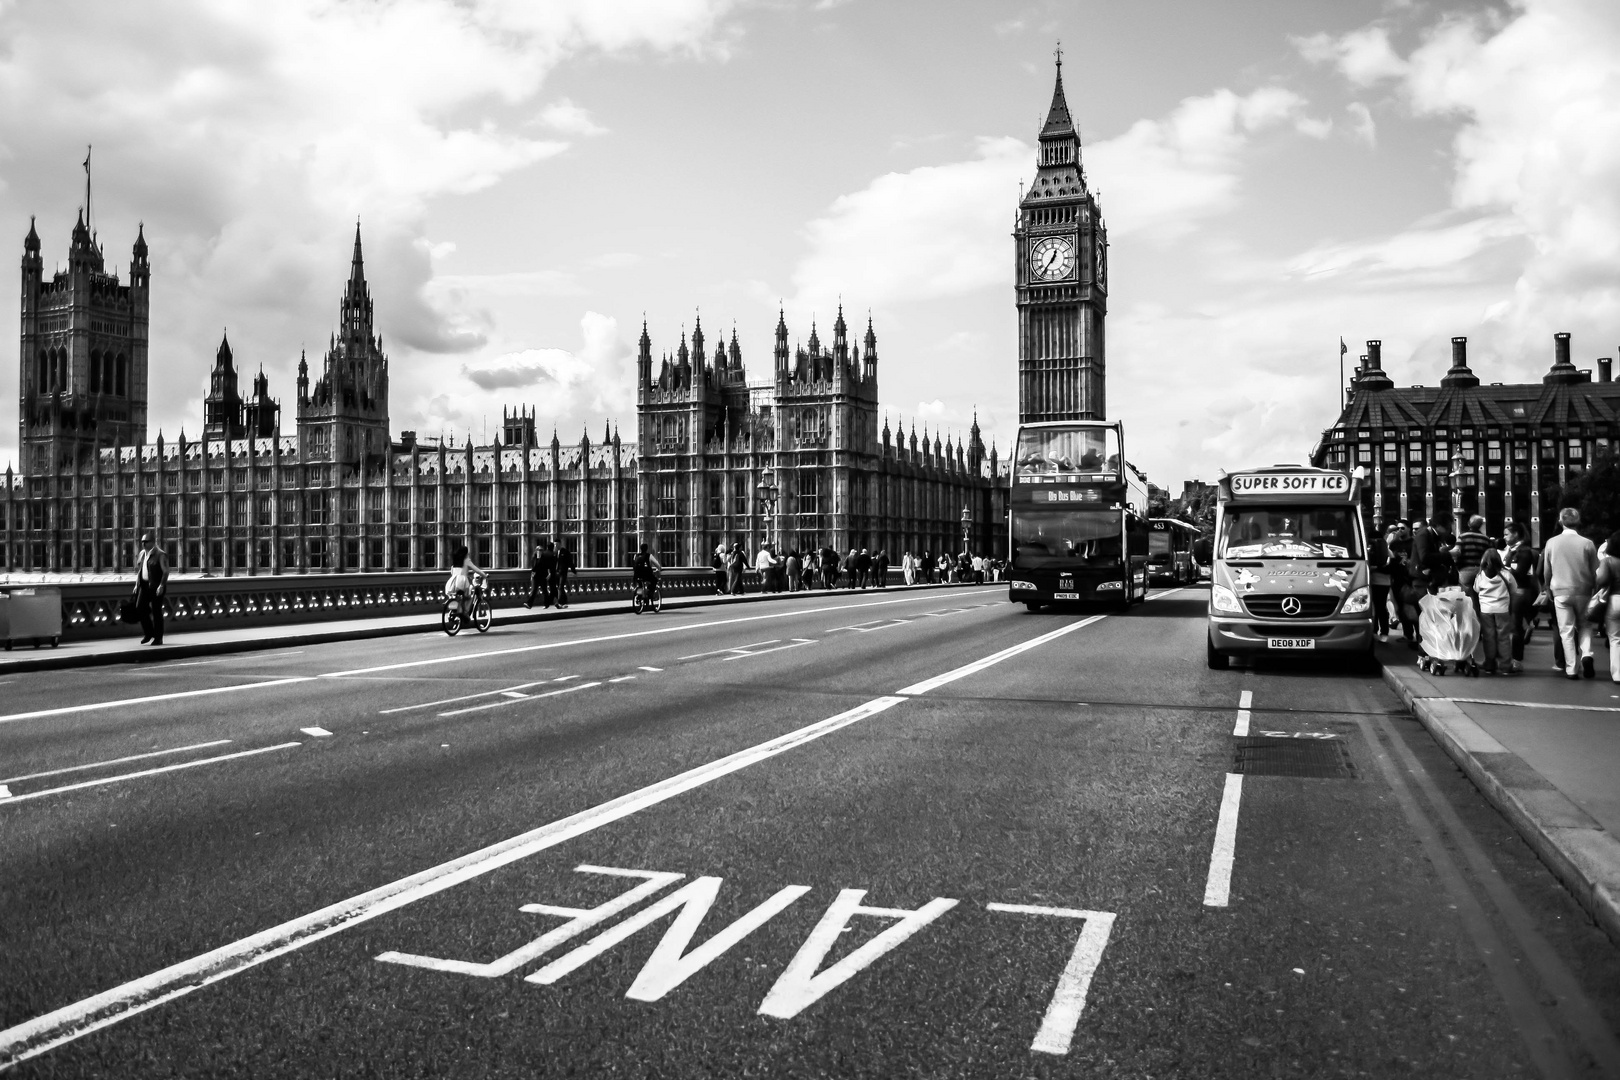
(1456, 474)
(768, 493)
(967, 527)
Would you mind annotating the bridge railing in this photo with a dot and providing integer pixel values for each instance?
(90, 609)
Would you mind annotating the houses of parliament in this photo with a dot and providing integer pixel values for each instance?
(799, 462)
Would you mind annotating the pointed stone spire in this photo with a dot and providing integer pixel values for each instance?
(1059, 123)
(139, 250)
(31, 241)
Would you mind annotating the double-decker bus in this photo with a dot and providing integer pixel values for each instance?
(1077, 517)
(1170, 551)
(1290, 569)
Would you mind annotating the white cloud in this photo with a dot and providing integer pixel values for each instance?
(567, 387)
(1362, 126)
(250, 136)
(570, 119)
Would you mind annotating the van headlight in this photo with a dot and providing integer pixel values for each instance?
(1223, 599)
(1358, 601)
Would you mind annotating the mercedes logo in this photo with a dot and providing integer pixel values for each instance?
(1290, 605)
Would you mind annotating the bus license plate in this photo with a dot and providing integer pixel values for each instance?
(1291, 643)
(1066, 596)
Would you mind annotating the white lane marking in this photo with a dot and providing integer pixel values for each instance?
(1005, 654)
(514, 694)
(34, 1037)
(734, 648)
(867, 627)
(1218, 889)
(138, 775)
(195, 663)
(462, 658)
(579, 921)
(564, 678)
(800, 987)
(5, 792)
(1166, 594)
(761, 652)
(1245, 700)
(316, 732)
(463, 697)
(1298, 734)
(520, 697)
(95, 705)
(670, 964)
(622, 678)
(1062, 1017)
(645, 668)
(114, 761)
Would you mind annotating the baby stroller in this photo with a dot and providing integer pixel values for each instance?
(1449, 627)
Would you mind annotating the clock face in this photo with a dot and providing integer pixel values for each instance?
(1102, 264)
(1051, 258)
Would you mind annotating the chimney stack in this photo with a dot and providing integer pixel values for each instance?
(1375, 359)
(1562, 370)
(1605, 369)
(1459, 375)
(1561, 348)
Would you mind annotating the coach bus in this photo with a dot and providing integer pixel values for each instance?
(1077, 517)
(1289, 571)
(1170, 551)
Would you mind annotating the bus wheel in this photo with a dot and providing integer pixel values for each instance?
(1217, 660)
(1032, 606)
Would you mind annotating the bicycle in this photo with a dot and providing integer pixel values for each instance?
(474, 609)
(647, 596)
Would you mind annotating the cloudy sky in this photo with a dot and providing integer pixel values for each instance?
(536, 176)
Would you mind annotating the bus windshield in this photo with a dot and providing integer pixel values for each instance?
(1054, 450)
(1290, 532)
(1066, 537)
(1158, 543)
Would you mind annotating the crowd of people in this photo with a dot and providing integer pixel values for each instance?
(827, 568)
(1571, 579)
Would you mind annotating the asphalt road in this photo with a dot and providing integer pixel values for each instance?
(888, 834)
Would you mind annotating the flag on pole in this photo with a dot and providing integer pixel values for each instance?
(1342, 347)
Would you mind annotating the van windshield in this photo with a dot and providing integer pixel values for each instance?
(1290, 532)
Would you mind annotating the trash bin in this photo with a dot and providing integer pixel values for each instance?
(31, 613)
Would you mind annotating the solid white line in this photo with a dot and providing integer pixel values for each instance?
(645, 668)
(94, 705)
(33, 1037)
(463, 697)
(1218, 889)
(622, 678)
(1245, 700)
(511, 701)
(146, 772)
(461, 658)
(316, 732)
(1005, 654)
(114, 761)
(514, 694)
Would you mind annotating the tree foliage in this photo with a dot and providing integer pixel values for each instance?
(1596, 494)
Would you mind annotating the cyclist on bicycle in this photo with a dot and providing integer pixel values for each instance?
(645, 569)
(463, 576)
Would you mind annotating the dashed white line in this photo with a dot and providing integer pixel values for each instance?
(1245, 700)
(316, 732)
(113, 761)
(530, 697)
(622, 678)
(733, 649)
(653, 669)
(514, 694)
(1218, 889)
(145, 772)
(462, 697)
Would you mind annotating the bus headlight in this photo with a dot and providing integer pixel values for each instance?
(1028, 585)
(1223, 599)
(1357, 602)
(1101, 585)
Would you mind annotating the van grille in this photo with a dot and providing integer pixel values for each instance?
(1310, 607)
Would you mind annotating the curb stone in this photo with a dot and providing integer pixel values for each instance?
(1580, 852)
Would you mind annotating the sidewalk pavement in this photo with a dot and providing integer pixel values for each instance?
(1544, 750)
(232, 639)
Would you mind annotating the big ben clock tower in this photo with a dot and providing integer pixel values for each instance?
(1062, 281)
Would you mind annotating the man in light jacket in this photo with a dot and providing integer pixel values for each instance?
(1569, 565)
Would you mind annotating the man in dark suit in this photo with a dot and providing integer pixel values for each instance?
(151, 583)
(565, 565)
(539, 574)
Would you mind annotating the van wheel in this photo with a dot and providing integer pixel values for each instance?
(1217, 661)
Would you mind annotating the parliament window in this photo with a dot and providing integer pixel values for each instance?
(667, 498)
(599, 503)
(571, 502)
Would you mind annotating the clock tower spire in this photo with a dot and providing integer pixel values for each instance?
(1061, 280)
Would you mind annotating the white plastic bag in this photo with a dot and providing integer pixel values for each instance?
(1448, 625)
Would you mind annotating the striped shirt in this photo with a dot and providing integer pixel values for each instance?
(1471, 546)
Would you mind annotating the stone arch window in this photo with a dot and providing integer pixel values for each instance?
(42, 375)
(121, 380)
(107, 373)
(95, 371)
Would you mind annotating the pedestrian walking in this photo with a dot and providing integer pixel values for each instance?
(829, 567)
(851, 569)
(908, 567)
(765, 566)
(539, 575)
(794, 569)
(151, 585)
(1569, 566)
(880, 569)
(1469, 549)
(1378, 565)
(1520, 558)
(1494, 586)
(863, 568)
(735, 563)
(565, 567)
(1608, 579)
(718, 564)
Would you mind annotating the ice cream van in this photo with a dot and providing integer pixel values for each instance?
(1289, 572)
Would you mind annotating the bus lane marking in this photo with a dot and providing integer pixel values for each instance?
(93, 706)
(521, 697)
(138, 775)
(112, 761)
(1245, 701)
(462, 697)
(1062, 1017)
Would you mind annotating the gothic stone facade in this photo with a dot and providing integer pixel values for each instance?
(1061, 270)
(1501, 451)
(707, 440)
(338, 495)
